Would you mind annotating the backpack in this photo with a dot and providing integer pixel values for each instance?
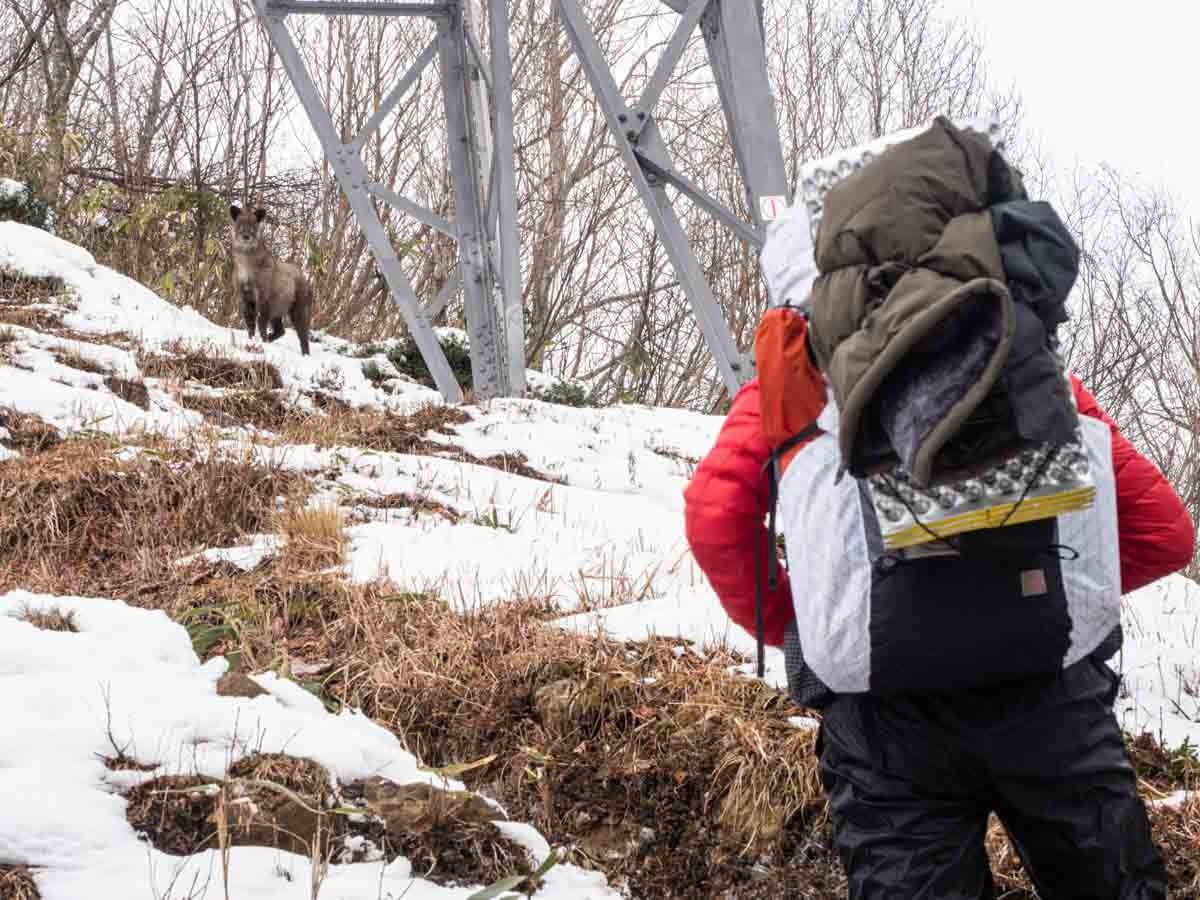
(965, 567)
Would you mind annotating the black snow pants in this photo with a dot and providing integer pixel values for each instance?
(911, 782)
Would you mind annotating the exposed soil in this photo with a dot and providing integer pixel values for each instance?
(274, 800)
(175, 812)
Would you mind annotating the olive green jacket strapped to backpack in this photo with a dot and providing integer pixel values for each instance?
(912, 318)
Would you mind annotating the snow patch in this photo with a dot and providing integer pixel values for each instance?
(1160, 662)
(246, 557)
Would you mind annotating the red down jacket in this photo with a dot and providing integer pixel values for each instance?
(727, 498)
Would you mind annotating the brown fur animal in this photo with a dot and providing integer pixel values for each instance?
(270, 288)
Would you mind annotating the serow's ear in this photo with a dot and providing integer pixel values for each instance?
(234, 212)
(260, 214)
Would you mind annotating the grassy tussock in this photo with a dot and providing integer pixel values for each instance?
(338, 425)
(386, 432)
(416, 504)
(373, 430)
(265, 618)
(1177, 833)
(279, 801)
(314, 535)
(263, 409)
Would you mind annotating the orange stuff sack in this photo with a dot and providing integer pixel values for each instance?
(792, 390)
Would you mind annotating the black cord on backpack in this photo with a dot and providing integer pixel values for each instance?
(769, 554)
(1029, 485)
(895, 493)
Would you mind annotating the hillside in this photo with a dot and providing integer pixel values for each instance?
(282, 626)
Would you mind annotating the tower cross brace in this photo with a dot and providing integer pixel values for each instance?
(478, 106)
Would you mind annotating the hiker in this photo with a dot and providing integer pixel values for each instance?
(957, 678)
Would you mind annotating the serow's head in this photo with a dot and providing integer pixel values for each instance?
(247, 229)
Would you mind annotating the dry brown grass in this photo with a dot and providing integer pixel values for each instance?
(314, 536)
(278, 612)
(134, 392)
(35, 318)
(1177, 833)
(16, 883)
(372, 430)
(27, 433)
(121, 762)
(659, 767)
(74, 519)
(263, 409)
(73, 360)
(209, 366)
(8, 340)
(52, 619)
(387, 432)
(18, 288)
(341, 426)
(1161, 772)
(413, 502)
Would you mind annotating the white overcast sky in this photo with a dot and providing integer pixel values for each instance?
(1104, 81)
